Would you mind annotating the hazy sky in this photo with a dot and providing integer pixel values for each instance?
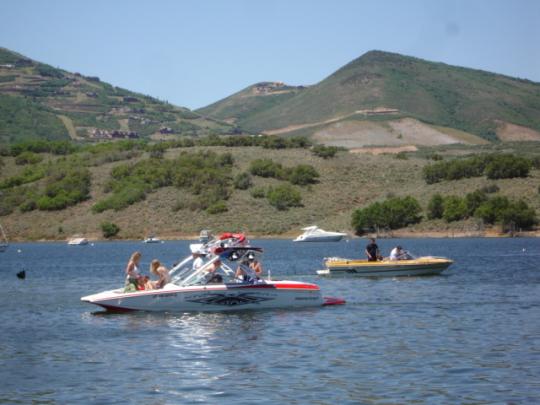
(192, 53)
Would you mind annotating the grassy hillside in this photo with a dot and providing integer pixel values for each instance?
(470, 100)
(173, 204)
(251, 100)
(40, 101)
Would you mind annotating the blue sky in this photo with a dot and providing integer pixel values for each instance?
(192, 53)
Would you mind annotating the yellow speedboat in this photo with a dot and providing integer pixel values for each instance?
(421, 266)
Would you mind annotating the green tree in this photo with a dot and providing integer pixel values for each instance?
(455, 209)
(435, 207)
(474, 200)
(394, 213)
(508, 166)
(109, 229)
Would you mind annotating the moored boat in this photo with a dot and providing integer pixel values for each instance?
(214, 286)
(152, 239)
(316, 234)
(77, 240)
(421, 266)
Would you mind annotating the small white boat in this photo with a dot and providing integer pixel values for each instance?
(316, 234)
(77, 240)
(4, 244)
(152, 239)
(421, 266)
(209, 289)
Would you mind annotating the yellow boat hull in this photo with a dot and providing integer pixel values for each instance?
(422, 266)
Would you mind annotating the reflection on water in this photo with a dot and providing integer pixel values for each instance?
(469, 336)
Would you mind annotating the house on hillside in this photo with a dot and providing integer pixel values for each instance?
(124, 135)
(166, 130)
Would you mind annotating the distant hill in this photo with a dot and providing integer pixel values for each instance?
(40, 101)
(398, 96)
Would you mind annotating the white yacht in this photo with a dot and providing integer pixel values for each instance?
(316, 234)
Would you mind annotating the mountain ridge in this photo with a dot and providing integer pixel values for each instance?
(41, 101)
(435, 93)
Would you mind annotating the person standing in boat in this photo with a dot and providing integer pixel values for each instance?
(132, 272)
(372, 251)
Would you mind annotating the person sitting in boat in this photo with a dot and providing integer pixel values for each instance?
(254, 269)
(255, 265)
(399, 254)
(372, 251)
(144, 283)
(197, 259)
(213, 277)
(161, 271)
(132, 272)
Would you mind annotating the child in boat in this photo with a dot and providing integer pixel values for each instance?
(144, 283)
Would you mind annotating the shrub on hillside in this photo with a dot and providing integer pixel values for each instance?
(393, 213)
(511, 214)
(258, 192)
(109, 229)
(217, 208)
(242, 181)
(205, 174)
(28, 157)
(325, 152)
(303, 175)
(266, 168)
(495, 166)
(284, 197)
(490, 189)
(507, 167)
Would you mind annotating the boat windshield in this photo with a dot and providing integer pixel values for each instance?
(219, 255)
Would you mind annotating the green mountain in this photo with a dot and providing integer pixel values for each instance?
(392, 87)
(40, 101)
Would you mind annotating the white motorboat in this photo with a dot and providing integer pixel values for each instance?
(77, 240)
(152, 239)
(215, 287)
(316, 234)
(4, 244)
(421, 266)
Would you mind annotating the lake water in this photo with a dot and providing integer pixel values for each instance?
(471, 335)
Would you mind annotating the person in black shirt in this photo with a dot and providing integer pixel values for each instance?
(372, 251)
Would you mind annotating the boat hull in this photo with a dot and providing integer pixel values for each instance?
(386, 268)
(212, 298)
(326, 238)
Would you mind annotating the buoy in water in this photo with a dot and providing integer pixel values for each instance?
(21, 274)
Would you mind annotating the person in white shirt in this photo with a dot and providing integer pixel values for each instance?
(197, 260)
(397, 253)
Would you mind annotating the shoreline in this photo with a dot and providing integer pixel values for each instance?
(391, 235)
